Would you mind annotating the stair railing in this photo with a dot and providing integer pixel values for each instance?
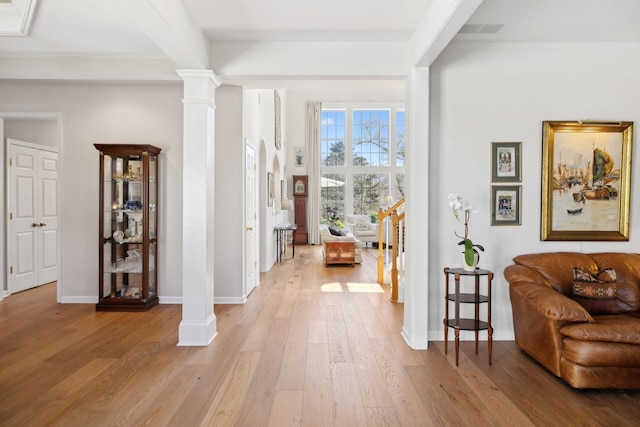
(397, 223)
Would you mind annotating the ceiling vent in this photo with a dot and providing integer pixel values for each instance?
(480, 28)
(15, 16)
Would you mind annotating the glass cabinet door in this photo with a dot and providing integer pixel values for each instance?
(128, 215)
(152, 223)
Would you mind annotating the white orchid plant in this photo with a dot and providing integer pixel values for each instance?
(458, 204)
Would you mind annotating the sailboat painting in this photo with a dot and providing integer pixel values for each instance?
(586, 180)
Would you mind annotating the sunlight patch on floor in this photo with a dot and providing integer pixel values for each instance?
(351, 287)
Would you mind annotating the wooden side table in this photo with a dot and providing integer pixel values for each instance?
(458, 323)
(281, 239)
(340, 253)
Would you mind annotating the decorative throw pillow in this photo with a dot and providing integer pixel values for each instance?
(342, 232)
(596, 292)
(334, 231)
(362, 226)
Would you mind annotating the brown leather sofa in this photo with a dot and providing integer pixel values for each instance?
(586, 350)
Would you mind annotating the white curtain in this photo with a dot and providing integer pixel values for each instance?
(313, 168)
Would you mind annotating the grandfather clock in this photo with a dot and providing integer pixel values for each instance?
(300, 208)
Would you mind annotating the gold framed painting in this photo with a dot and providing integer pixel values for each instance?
(586, 180)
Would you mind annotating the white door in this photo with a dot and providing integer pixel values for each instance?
(251, 259)
(33, 216)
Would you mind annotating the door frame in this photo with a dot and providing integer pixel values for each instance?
(4, 191)
(248, 287)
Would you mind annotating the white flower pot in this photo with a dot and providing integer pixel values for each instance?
(467, 267)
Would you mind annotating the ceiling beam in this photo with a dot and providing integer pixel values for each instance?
(88, 69)
(439, 25)
(169, 26)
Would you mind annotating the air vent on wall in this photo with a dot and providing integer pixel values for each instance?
(15, 17)
(480, 28)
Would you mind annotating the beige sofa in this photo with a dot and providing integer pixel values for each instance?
(326, 236)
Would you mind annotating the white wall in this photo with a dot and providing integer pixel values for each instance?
(229, 196)
(35, 131)
(483, 93)
(3, 271)
(259, 127)
(108, 113)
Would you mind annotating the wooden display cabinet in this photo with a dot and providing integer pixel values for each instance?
(128, 235)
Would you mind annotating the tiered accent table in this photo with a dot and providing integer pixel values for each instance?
(458, 323)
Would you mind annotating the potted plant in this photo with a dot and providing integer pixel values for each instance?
(471, 254)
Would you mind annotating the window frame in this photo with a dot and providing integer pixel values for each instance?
(348, 169)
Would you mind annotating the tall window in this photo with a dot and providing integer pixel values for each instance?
(362, 152)
(370, 138)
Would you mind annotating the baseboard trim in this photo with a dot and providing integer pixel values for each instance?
(229, 300)
(78, 300)
(197, 333)
(470, 336)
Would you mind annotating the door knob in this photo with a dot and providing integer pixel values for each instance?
(42, 224)
(249, 228)
(35, 224)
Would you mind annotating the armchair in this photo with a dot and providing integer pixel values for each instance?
(362, 229)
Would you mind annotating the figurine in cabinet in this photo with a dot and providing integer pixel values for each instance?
(128, 243)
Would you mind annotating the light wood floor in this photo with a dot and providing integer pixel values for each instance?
(313, 346)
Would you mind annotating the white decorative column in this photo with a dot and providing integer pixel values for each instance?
(416, 300)
(198, 325)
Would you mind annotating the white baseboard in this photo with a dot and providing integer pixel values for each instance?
(470, 335)
(420, 345)
(193, 333)
(229, 300)
(78, 300)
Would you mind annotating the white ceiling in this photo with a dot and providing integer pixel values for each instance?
(564, 21)
(299, 20)
(98, 29)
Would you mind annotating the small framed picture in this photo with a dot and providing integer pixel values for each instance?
(506, 162)
(269, 189)
(298, 154)
(506, 204)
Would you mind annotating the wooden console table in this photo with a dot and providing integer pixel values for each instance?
(457, 322)
(281, 239)
(340, 253)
